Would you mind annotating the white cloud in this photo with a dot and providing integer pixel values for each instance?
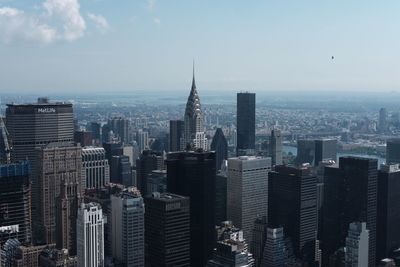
(16, 25)
(151, 4)
(68, 11)
(157, 21)
(100, 21)
(53, 20)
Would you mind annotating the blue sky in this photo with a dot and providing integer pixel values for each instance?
(266, 45)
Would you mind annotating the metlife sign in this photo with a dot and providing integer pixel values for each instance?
(46, 110)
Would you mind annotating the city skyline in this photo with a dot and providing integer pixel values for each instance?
(97, 46)
(283, 149)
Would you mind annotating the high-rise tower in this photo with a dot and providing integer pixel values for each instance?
(192, 174)
(194, 120)
(388, 232)
(175, 135)
(292, 196)
(246, 123)
(276, 147)
(220, 146)
(247, 187)
(15, 203)
(350, 195)
(167, 235)
(357, 245)
(127, 227)
(382, 123)
(90, 235)
(36, 125)
(60, 194)
(96, 167)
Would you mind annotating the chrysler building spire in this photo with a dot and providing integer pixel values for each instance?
(194, 130)
(193, 80)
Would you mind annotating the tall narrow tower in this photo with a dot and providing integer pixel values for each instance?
(90, 235)
(194, 129)
(246, 124)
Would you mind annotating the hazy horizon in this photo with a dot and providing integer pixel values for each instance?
(99, 46)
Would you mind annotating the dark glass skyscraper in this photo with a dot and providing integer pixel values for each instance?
(325, 149)
(350, 195)
(148, 161)
(220, 146)
(382, 123)
(167, 235)
(293, 206)
(176, 128)
(388, 231)
(315, 151)
(121, 171)
(246, 123)
(393, 151)
(192, 174)
(15, 202)
(220, 196)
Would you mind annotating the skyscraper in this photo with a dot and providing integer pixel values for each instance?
(221, 192)
(357, 245)
(388, 232)
(176, 129)
(157, 181)
(220, 146)
(350, 195)
(275, 146)
(147, 162)
(120, 127)
(121, 171)
(192, 174)
(90, 235)
(36, 125)
(103, 197)
(382, 123)
(84, 138)
(194, 121)
(246, 123)
(247, 191)
(275, 250)
(293, 206)
(95, 167)
(316, 151)
(60, 181)
(305, 151)
(167, 235)
(325, 149)
(127, 223)
(142, 139)
(393, 151)
(95, 129)
(258, 240)
(15, 202)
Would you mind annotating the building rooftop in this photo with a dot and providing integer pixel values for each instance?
(166, 197)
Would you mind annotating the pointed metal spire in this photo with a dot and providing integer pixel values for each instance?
(193, 80)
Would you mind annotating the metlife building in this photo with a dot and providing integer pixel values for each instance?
(35, 125)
